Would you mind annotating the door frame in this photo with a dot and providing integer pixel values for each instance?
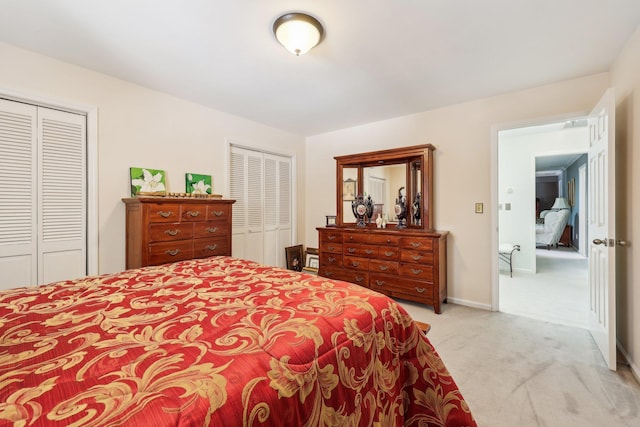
(495, 129)
(91, 113)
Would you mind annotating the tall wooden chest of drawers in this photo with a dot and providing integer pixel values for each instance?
(406, 264)
(166, 229)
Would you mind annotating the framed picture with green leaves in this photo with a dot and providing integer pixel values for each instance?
(197, 183)
(147, 182)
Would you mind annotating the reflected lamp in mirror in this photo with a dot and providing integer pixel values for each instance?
(560, 203)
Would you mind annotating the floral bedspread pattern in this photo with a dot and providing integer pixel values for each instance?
(220, 342)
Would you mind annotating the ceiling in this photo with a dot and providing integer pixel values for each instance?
(378, 60)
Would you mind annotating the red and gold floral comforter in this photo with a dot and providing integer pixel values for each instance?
(220, 342)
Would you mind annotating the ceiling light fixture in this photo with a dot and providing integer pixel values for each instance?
(298, 32)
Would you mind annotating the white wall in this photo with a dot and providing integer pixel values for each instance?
(625, 77)
(516, 171)
(145, 128)
(462, 136)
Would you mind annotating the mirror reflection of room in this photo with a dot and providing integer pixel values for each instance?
(383, 184)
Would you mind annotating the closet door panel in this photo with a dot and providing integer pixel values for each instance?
(62, 184)
(18, 173)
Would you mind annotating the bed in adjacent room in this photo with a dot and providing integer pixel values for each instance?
(221, 342)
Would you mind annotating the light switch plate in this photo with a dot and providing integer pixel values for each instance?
(479, 207)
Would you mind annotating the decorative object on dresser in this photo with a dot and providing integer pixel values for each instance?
(362, 208)
(197, 183)
(168, 229)
(407, 261)
(147, 182)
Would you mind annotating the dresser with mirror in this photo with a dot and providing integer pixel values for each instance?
(383, 237)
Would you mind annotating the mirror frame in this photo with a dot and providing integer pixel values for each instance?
(403, 155)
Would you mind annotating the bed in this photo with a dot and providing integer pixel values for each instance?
(218, 341)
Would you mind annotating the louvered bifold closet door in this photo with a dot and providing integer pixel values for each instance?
(284, 201)
(18, 238)
(246, 188)
(62, 196)
(277, 208)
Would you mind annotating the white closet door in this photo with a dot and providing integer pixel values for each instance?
(261, 185)
(62, 200)
(246, 189)
(42, 195)
(18, 175)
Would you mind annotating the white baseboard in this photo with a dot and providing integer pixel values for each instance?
(468, 303)
(635, 370)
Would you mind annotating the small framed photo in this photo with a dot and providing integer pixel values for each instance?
(147, 182)
(331, 220)
(348, 190)
(294, 255)
(312, 258)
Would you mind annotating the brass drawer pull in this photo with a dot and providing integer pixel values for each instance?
(380, 282)
(416, 244)
(416, 257)
(359, 279)
(211, 229)
(212, 247)
(331, 248)
(384, 267)
(328, 273)
(355, 263)
(369, 251)
(420, 290)
(351, 250)
(331, 237)
(193, 214)
(172, 232)
(218, 213)
(416, 271)
(331, 259)
(350, 237)
(388, 240)
(389, 253)
(165, 214)
(172, 252)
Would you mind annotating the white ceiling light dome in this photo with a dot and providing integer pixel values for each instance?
(298, 32)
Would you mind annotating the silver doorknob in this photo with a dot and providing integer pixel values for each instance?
(622, 243)
(600, 242)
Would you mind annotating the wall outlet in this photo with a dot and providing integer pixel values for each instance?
(507, 206)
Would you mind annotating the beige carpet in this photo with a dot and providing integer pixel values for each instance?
(558, 293)
(516, 371)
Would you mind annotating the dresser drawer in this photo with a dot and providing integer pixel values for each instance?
(163, 212)
(356, 238)
(161, 253)
(359, 250)
(384, 240)
(390, 267)
(331, 259)
(331, 237)
(388, 253)
(209, 229)
(417, 243)
(333, 273)
(417, 257)
(355, 262)
(219, 213)
(395, 286)
(416, 271)
(209, 247)
(335, 248)
(167, 232)
(194, 213)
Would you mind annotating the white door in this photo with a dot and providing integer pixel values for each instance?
(602, 243)
(262, 215)
(43, 188)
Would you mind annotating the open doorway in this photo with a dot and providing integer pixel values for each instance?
(539, 175)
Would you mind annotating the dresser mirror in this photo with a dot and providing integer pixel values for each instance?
(391, 177)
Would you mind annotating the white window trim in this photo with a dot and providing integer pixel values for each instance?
(91, 113)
